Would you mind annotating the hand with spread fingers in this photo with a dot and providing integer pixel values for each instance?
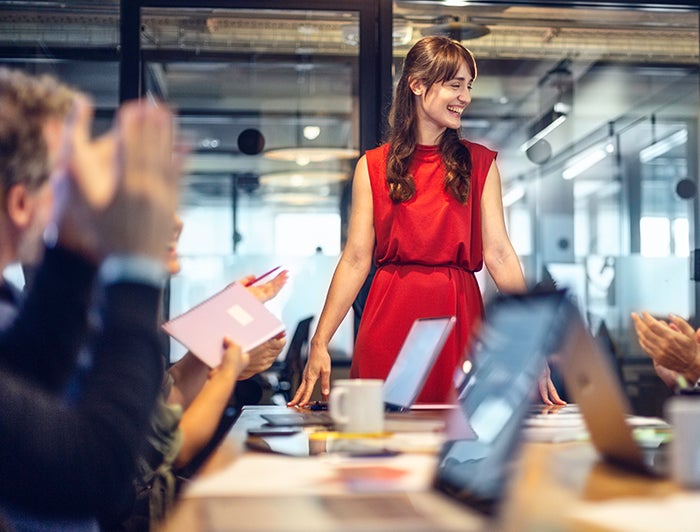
(117, 194)
(146, 196)
(265, 292)
(674, 346)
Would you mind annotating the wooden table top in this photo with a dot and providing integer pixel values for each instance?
(550, 483)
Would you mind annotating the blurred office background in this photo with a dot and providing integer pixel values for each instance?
(592, 106)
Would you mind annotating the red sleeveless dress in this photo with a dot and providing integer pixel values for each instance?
(427, 250)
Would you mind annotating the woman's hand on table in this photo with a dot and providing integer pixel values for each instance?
(317, 366)
(548, 392)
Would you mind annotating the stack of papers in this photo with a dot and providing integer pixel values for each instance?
(555, 425)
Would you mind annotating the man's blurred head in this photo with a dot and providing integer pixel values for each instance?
(32, 110)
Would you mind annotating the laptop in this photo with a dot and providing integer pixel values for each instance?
(594, 384)
(508, 357)
(411, 367)
(482, 436)
(420, 349)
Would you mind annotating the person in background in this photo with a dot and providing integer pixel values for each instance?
(427, 211)
(674, 347)
(195, 387)
(188, 411)
(65, 462)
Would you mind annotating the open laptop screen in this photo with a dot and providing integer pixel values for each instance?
(416, 358)
(508, 354)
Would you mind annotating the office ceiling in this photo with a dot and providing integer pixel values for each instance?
(278, 72)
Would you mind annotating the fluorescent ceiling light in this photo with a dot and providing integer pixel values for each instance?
(304, 156)
(547, 123)
(476, 123)
(513, 195)
(303, 179)
(297, 198)
(586, 160)
(664, 145)
(595, 188)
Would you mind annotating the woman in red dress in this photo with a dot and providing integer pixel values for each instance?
(427, 209)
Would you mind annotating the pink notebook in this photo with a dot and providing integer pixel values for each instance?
(232, 312)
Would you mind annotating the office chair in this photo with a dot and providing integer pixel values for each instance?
(290, 369)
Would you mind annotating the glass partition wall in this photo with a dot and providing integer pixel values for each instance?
(269, 101)
(269, 98)
(594, 112)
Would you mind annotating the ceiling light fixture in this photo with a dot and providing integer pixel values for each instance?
(311, 132)
(298, 199)
(664, 145)
(209, 143)
(513, 195)
(547, 123)
(300, 180)
(579, 164)
(458, 30)
(304, 156)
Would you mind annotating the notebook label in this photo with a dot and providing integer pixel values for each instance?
(239, 314)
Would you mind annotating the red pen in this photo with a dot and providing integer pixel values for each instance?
(261, 277)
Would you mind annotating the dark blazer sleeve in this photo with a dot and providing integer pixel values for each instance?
(42, 344)
(79, 459)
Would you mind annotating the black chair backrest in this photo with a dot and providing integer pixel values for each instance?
(293, 362)
(605, 339)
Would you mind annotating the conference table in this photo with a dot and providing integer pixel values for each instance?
(553, 486)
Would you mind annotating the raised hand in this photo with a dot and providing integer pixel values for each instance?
(265, 292)
(139, 218)
(83, 180)
(117, 194)
(233, 363)
(673, 345)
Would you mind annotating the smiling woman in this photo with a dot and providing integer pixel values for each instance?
(427, 210)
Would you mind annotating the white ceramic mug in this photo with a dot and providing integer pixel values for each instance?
(684, 415)
(357, 405)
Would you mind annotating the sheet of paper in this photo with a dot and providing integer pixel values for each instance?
(269, 474)
(677, 512)
(555, 426)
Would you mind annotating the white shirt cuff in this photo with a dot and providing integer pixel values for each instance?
(132, 268)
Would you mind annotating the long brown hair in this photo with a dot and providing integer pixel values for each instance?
(431, 60)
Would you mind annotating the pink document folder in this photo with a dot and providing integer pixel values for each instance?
(232, 312)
